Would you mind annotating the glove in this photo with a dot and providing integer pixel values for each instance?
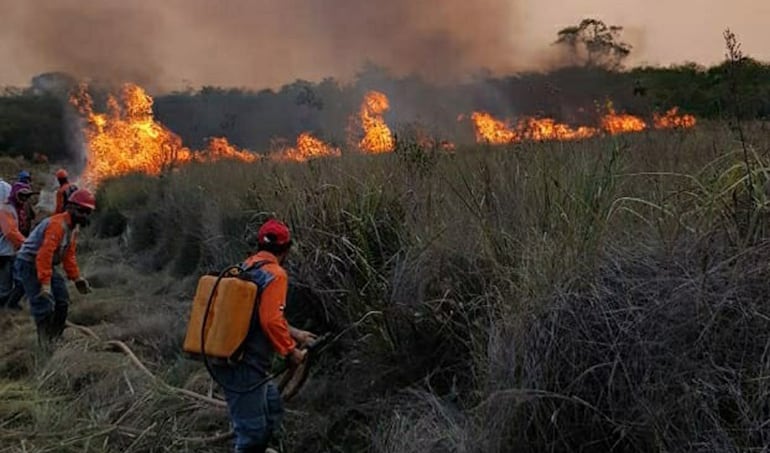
(83, 286)
(296, 357)
(45, 293)
(304, 338)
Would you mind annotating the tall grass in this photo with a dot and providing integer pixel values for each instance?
(604, 295)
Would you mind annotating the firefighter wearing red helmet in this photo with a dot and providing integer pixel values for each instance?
(65, 190)
(256, 414)
(53, 242)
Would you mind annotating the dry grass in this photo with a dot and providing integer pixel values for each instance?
(597, 296)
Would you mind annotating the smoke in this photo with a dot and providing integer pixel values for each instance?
(105, 41)
(258, 43)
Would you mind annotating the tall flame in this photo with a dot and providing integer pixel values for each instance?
(377, 136)
(127, 138)
(308, 147)
(672, 120)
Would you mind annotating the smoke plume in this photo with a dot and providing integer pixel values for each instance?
(258, 43)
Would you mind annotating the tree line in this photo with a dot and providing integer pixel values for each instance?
(32, 119)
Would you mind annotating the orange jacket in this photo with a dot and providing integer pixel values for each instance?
(60, 197)
(10, 228)
(54, 240)
(272, 303)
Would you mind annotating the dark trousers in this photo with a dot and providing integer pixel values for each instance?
(11, 290)
(255, 415)
(50, 315)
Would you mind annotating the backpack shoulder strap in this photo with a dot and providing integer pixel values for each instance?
(256, 265)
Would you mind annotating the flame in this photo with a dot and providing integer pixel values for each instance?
(308, 147)
(614, 123)
(377, 136)
(127, 138)
(548, 129)
(219, 148)
(620, 123)
(491, 130)
(672, 120)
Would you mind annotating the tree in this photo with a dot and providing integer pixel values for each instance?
(592, 43)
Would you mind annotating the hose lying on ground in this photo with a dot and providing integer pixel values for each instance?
(180, 391)
(123, 347)
(135, 360)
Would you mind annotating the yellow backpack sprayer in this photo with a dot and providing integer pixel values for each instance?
(222, 313)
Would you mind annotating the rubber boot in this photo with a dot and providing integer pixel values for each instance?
(44, 332)
(59, 321)
(14, 299)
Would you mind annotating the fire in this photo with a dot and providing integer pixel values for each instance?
(548, 129)
(377, 136)
(219, 148)
(491, 130)
(127, 138)
(672, 120)
(497, 132)
(620, 123)
(308, 147)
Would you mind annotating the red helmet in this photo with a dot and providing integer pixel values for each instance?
(84, 198)
(273, 232)
(61, 173)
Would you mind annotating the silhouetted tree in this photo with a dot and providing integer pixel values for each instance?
(594, 43)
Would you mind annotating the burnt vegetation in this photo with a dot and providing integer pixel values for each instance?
(600, 295)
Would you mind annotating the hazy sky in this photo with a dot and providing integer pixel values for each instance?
(168, 44)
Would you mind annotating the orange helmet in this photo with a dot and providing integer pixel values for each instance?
(61, 173)
(84, 198)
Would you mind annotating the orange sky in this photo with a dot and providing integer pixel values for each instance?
(263, 43)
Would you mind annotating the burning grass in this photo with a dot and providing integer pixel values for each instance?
(128, 139)
(597, 295)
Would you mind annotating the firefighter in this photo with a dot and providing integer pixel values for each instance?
(19, 198)
(52, 242)
(257, 414)
(11, 239)
(26, 214)
(66, 189)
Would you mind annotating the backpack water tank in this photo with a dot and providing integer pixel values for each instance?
(229, 316)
